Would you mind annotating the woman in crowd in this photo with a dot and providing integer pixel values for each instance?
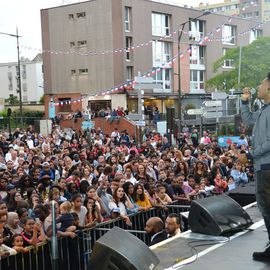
(181, 167)
(239, 175)
(200, 171)
(78, 208)
(141, 198)
(141, 175)
(63, 188)
(129, 190)
(15, 197)
(120, 200)
(93, 215)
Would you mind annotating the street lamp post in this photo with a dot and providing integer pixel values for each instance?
(19, 71)
(180, 33)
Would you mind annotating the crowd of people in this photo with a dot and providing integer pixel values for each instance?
(93, 177)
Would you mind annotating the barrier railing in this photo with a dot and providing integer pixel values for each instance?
(74, 253)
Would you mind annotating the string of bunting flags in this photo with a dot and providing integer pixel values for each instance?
(153, 71)
(141, 45)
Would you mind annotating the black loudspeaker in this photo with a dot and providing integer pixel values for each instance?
(120, 250)
(170, 118)
(217, 215)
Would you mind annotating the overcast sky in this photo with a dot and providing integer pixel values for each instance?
(26, 15)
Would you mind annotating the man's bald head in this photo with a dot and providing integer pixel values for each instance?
(154, 225)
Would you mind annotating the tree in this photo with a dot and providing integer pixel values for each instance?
(41, 100)
(12, 100)
(254, 66)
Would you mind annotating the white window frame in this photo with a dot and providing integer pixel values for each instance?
(229, 34)
(24, 87)
(24, 72)
(197, 55)
(127, 19)
(160, 24)
(163, 78)
(198, 84)
(195, 31)
(10, 82)
(227, 63)
(129, 73)
(24, 98)
(254, 34)
(162, 52)
(128, 46)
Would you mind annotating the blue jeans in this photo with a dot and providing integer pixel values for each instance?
(263, 196)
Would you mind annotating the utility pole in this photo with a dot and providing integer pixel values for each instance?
(180, 33)
(18, 72)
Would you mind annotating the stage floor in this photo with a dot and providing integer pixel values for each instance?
(221, 253)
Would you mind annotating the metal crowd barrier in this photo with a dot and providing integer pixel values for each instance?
(74, 253)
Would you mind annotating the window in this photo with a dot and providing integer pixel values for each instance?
(163, 78)
(83, 71)
(71, 16)
(127, 18)
(128, 46)
(24, 99)
(81, 43)
(196, 80)
(196, 30)
(72, 44)
(255, 34)
(197, 55)
(65, 104)
(129, 73)
(10, 84)
(17, 71)
(73, 72)
(24, 71)
(228, 63)
(160, 24)
(24, 86)
(162, 51)
(228, 34)
(81, 15)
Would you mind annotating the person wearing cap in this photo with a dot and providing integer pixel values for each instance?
(46, 170)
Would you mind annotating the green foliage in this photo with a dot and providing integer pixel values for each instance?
(12, 100)
(28, 114)
(254, 66)
(41, 101)
(189, 106)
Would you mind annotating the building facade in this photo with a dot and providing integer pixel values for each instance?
(94, 46)
(31, 80)
(255, 9)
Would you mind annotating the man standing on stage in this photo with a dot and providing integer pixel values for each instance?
(261, 154)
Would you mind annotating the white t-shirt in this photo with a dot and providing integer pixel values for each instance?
(82, 215)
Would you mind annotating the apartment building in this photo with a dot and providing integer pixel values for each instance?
(94, 46)
(249, 9)
(31, 79)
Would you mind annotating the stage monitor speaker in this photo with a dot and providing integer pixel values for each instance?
(217, 215)
(120, 250)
